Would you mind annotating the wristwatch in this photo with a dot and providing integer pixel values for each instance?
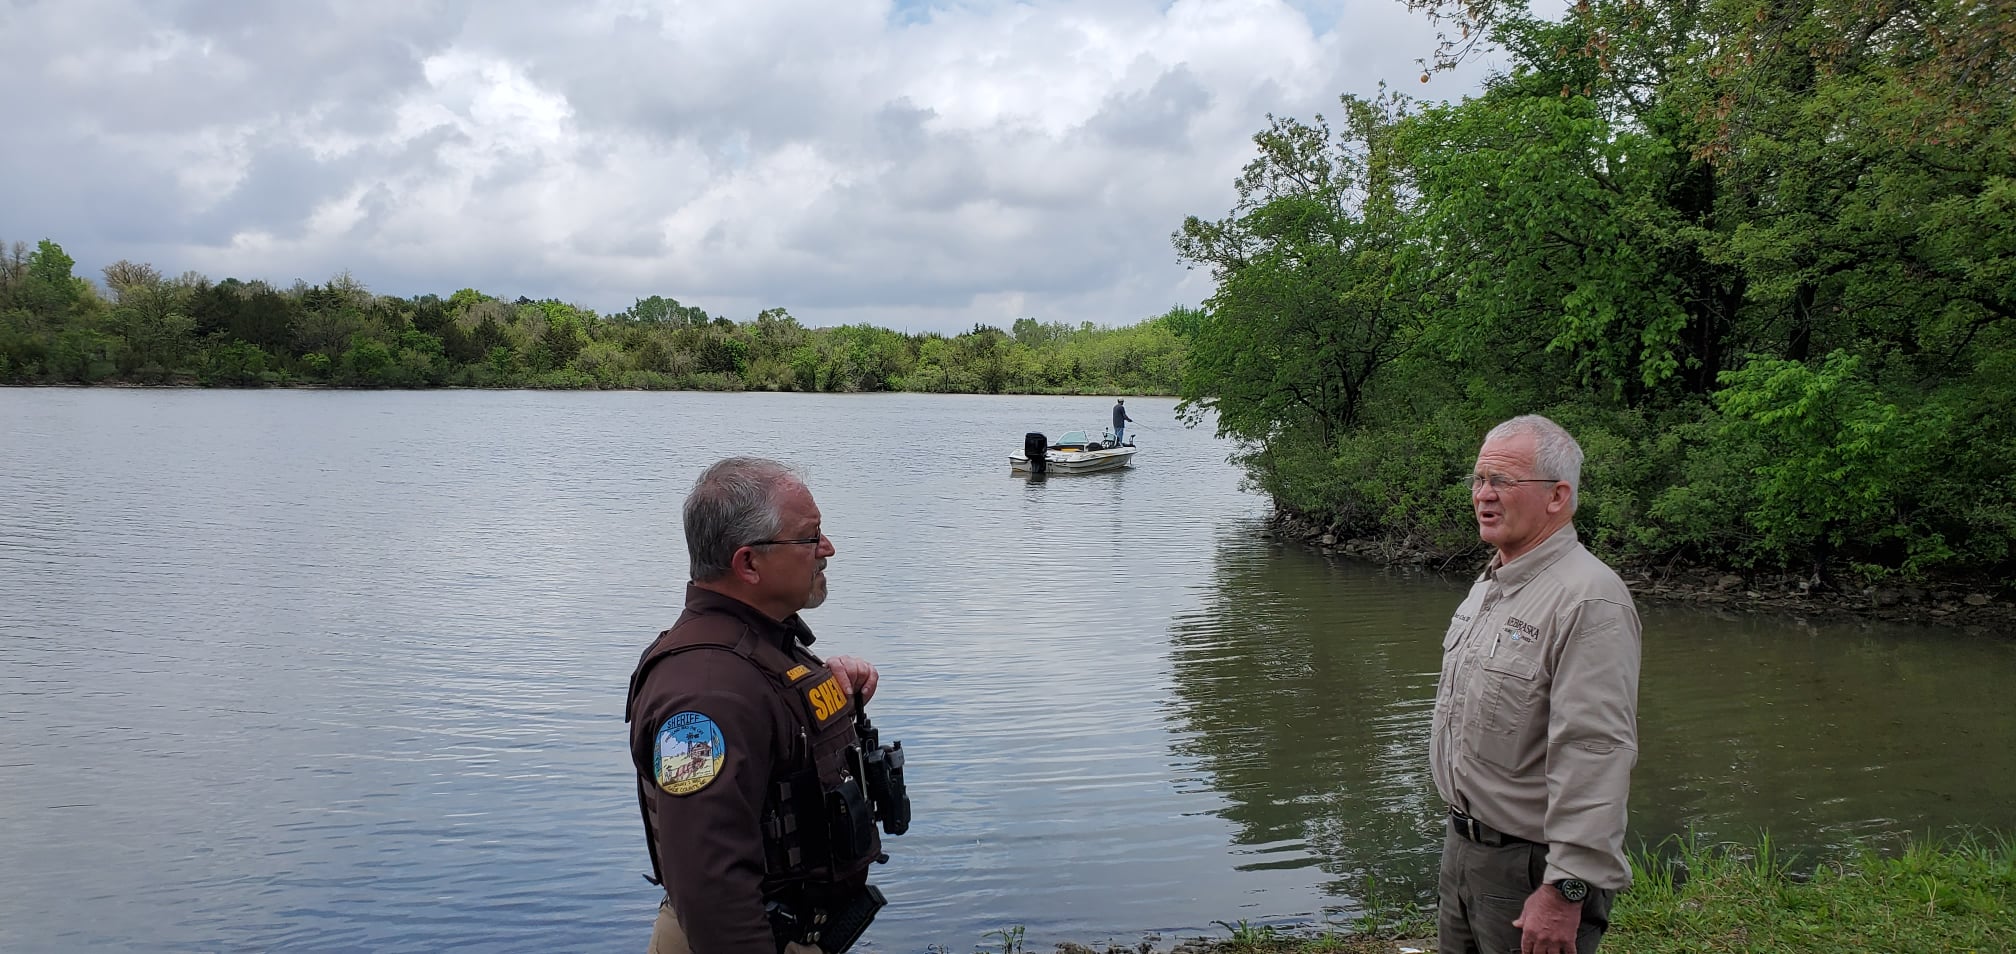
(1573, 890)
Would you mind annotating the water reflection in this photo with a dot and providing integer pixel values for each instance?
(1821, 734)
(1306, 687)
(1305, 690)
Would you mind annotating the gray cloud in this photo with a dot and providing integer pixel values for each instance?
(1155, 118)
(921, 165)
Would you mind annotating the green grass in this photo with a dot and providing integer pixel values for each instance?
(1009, 938)
(1958, 897)
(1955, 897)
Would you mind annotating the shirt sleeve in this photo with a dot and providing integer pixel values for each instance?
(1592, 744)
(710, 841)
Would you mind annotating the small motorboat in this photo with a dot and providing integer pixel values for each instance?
(1073, 453)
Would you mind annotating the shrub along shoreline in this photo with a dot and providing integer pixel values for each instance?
(1974, 608)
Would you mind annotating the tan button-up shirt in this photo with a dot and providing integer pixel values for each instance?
(1536, 714)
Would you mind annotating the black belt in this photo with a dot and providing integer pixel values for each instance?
(1474, 830)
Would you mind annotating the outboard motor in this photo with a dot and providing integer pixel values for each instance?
(1036, 447)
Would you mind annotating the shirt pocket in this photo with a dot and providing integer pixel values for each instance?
(1452, 668)
(1457, 628)
(1504, 734)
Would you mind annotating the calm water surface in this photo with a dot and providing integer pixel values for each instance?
(345, 671)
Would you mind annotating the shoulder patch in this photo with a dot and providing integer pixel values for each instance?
(796, 673)
(688, 754)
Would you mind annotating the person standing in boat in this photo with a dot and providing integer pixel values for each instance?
(1536, 714)
(745, 742)
(1120, 421)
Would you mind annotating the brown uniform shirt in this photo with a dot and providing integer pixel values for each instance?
(1536, 713)
(710, 838)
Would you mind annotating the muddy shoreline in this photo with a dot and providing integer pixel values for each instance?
(1972, 609)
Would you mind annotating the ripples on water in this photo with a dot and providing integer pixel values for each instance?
(345, 671)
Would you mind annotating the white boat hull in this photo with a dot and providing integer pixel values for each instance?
(1077, 462)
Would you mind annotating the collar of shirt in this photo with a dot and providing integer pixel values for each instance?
(702, 600)
(1511, 576)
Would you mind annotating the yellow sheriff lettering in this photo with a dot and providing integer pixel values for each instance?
(796, 673)
(827, 699)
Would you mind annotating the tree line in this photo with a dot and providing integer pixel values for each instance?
(144, 327)
(1758, 255)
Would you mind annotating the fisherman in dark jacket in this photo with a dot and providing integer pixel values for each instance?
(1120, 421)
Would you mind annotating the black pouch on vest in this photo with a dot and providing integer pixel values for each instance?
(849, 917)
(795, 829)
(850, 822)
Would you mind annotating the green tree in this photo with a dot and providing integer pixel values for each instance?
(45, 287)
(369, 362)
(1311, 302)
(233, 364)
(1757, 255)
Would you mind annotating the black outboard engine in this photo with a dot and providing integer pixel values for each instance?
(1036, 447)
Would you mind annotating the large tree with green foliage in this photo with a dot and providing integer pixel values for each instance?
(1313, 298)
(1757, 254)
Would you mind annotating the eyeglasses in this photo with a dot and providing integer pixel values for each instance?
(766, 543)
(1500, 482)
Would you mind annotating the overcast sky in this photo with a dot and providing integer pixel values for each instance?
(915, 165)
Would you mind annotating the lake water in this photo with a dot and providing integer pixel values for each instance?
(345, 671)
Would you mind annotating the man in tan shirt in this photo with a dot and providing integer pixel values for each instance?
(1536, 714)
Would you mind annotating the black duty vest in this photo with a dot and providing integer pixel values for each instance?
(818, 825)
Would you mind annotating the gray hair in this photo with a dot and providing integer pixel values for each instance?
(1556, 454)
(733, 503)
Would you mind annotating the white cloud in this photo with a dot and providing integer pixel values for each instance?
(920, 167)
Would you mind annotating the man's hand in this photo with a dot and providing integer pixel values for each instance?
(855, 673)
(1548, 923)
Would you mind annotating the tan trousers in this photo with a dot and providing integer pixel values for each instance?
(1484, 889)
(667, 937)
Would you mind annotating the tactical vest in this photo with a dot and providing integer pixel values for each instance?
(818, 825)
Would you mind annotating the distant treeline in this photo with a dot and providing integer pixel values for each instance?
(145, 328)
(1759, 257)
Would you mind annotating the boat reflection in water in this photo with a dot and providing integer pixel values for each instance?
(1071, 454)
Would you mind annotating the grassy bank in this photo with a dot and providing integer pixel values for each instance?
(1952, 898)
(1944, 898)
